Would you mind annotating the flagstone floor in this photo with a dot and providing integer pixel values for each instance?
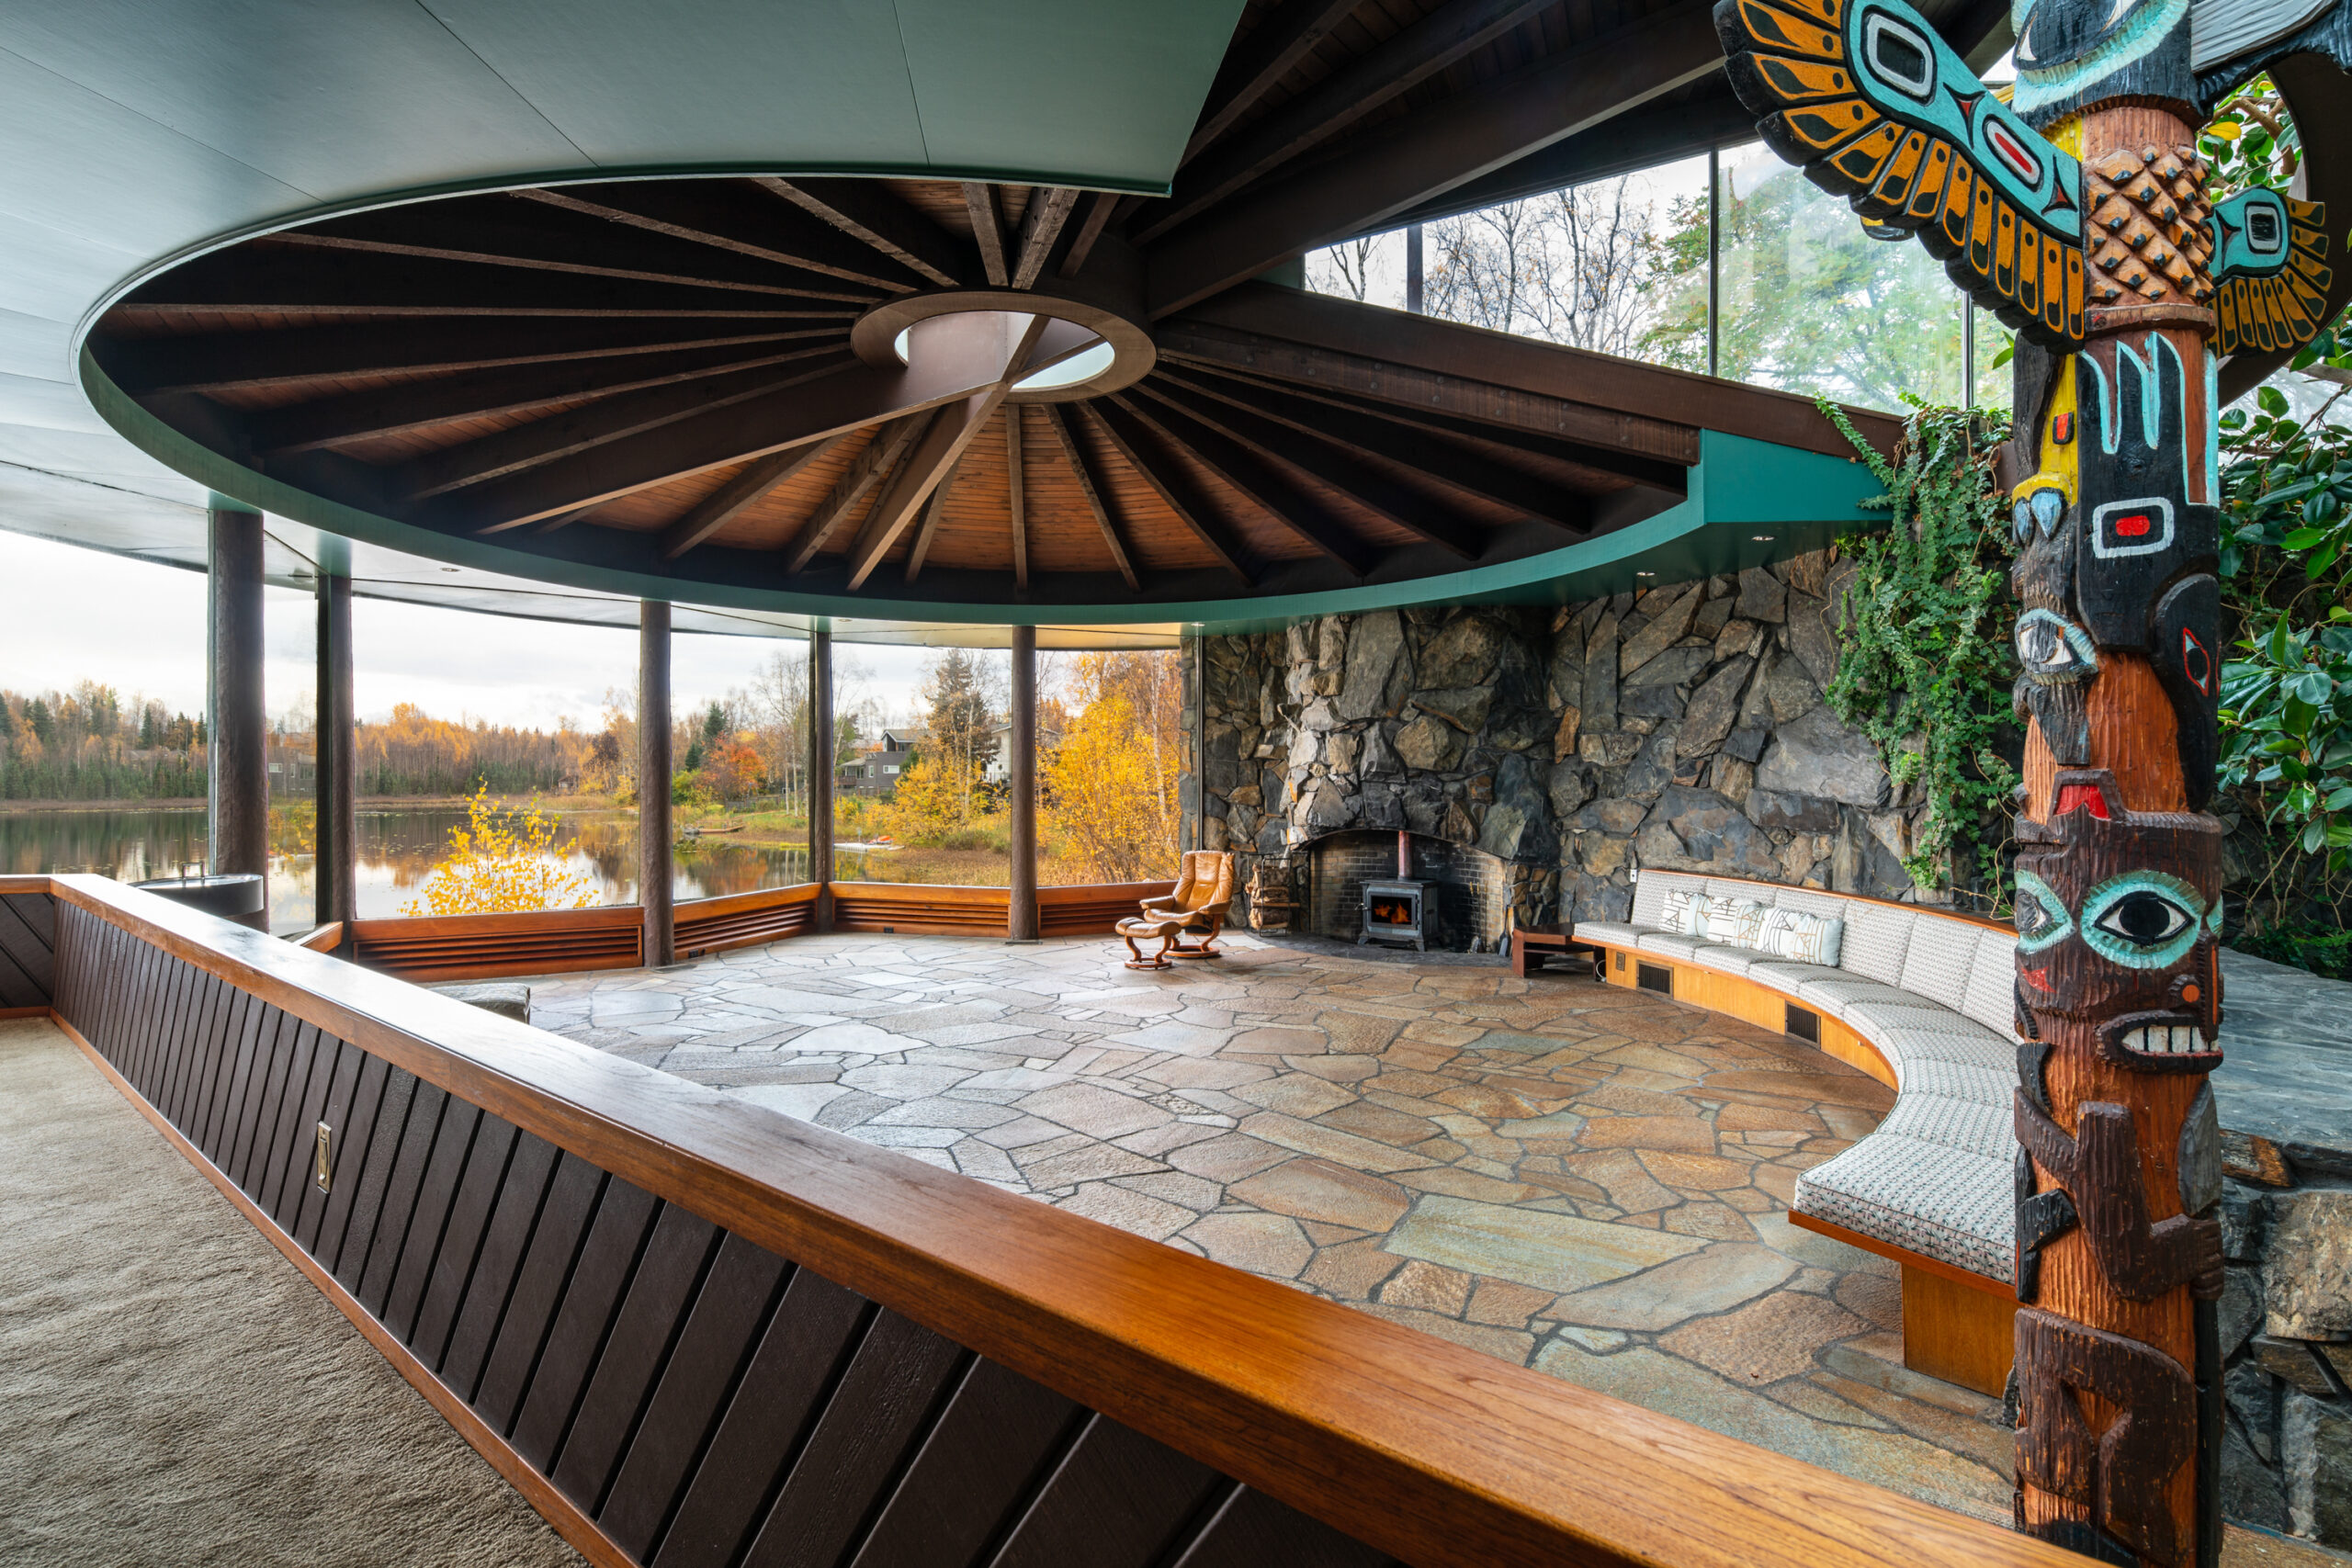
(1584, 1179)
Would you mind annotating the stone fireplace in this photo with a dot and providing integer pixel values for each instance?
(1465, 891)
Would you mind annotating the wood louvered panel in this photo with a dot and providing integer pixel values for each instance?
(27, 957)
(461, 947)
(744, 919)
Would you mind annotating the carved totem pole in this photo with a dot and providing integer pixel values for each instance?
(2077, 211)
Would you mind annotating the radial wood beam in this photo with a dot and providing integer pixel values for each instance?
(920, 551)
(958, 361)
(1049, 209)
(574, 430)
(1274, 492)
(338, 280)
(1425, 155)
(1358, 88)
(881, 453)
(509, 231)
(231, 361)
(869, 212)
(1016, 503)
(1369, 436)
(719, 508)
(736, 216)
(1350, 474)
(987, 231)
(1254, 67)
(1090, 229)
(1057, 421)
(420, 405)
(1133, 438)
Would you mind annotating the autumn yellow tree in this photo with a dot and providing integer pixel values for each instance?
(932, 799)
(1112, 788)
(504, 862)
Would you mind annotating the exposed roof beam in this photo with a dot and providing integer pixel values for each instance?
(1343, 471)
(300, 278)
(1090, 229)
(208, 362)
(1132, 436)
(722, 506)
(987, 231)
(1428, 153)
(573, 431)
(1639, 139)
(733, 216)
(1016, 503)
(954, 428)
(1057, 420)
(880, 456)
(920, 551)
(1050, 207)
(1365, 437)
(419, 405)
(1356, 89)
(1267, 488)
(1404, 425)
(504, 231)
(869, 212)
(1643, 408)
(961, 355)
(1257, 63)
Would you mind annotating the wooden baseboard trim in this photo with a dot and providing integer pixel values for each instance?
(1919, 1260)
(559, 1511)
(7, 1013)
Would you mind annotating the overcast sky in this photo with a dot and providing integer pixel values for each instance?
(76, 615)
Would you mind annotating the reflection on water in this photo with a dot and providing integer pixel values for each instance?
(398, 847)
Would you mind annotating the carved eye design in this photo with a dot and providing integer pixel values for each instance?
(2144, 919)
(2053, 649)
(2041, 917)
(2037, 512)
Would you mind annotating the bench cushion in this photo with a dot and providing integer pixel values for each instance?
(1650, 889)
(1836, 996)
(1929, 1198)
(1616, 933)
(1673, 945)
(1991, 998)
(1937, 963)
(1877, 938)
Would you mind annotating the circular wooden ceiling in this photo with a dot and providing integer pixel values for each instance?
(695, 386)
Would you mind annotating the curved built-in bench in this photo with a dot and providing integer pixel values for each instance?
(1923, 1000)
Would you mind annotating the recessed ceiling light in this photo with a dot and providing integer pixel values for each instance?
(1645, 574)
(1764, 538)
(448, 569)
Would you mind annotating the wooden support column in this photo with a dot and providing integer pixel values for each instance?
(820, 773)
(336, 874)
(654, 849)
(1022, 776)
(237, 783)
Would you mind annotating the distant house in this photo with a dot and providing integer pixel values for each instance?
(999, 768)
(875, 770)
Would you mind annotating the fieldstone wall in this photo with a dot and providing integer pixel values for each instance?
(1679, 727)
(2286, 1329)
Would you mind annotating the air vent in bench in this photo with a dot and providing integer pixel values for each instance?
(1654, 978)
(1804, 1024)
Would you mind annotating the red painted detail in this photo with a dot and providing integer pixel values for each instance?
(2061, 430)
(2196, 662)
(2038, 979)
(2012, 152)
(2135, 526)
(2082, 797)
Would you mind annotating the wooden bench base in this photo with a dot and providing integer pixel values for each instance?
(1956, 1325)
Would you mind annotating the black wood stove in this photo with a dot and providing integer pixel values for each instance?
(1398, 912)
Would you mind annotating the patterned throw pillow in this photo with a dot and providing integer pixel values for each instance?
(1807, 938)
(1739, 922)
(1684, 910)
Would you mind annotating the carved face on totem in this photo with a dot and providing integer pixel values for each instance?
(2117, 914)
(2127, 562)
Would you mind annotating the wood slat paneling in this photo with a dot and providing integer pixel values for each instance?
(672, 1390)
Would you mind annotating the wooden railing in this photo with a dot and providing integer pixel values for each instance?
(555, 942)
(694, 1330)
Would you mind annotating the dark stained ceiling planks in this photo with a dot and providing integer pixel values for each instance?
(659, 374)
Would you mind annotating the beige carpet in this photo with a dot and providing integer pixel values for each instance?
(174, 1391)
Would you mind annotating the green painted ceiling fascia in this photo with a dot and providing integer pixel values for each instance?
(1740, 489)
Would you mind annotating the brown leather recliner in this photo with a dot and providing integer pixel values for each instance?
(1203, 895)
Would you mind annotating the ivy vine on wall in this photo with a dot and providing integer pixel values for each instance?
(1928, 661)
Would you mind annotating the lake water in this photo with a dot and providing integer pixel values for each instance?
(398, 849)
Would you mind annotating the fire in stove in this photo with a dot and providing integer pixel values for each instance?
(1397, 912)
